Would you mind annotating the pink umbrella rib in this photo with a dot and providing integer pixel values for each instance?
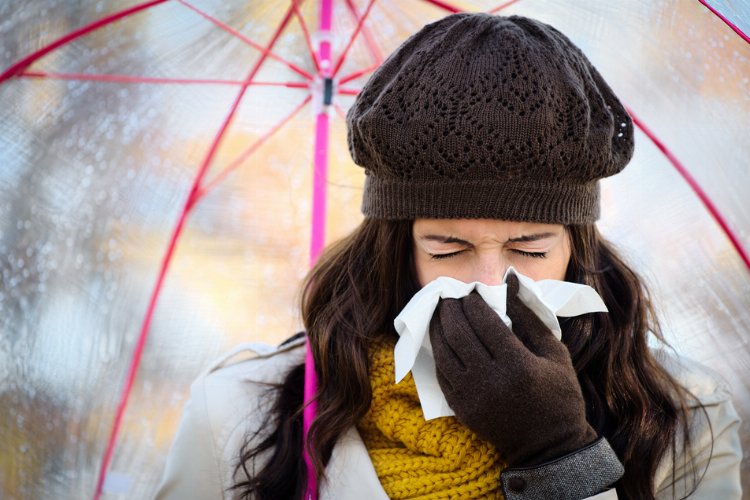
(245, 39)
(189, 204)
(347, 91)
(28, 60)
(340, 111)
(502, 6)
(149, 80)
(710, 206)
(371, 45)
(306, 33)
(349, 44)
(726, 21)
(252, 149)
(445, 6)
(357, 74)
(140, 344)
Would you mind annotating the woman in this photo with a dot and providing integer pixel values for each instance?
(483, 140)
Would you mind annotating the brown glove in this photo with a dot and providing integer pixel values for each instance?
(516, 389)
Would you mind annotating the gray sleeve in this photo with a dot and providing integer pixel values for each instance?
(580, 474)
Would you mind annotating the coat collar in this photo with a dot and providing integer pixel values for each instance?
(350, 472)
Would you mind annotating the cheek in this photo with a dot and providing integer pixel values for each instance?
(556, 264)
(550, 268)
(553, 267)
(421, 268)
(429, 269)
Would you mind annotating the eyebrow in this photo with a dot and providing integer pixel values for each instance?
(531, 237)
(452, 239)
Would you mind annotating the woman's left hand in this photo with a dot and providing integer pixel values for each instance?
(516, 389)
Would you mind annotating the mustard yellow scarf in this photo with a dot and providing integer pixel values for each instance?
(414, 458)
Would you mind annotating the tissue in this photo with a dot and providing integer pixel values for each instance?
(413, 352)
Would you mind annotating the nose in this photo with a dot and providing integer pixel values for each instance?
(490, 269)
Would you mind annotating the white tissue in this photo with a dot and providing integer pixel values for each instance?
(547, 298)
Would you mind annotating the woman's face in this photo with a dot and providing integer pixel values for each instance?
(483, 249)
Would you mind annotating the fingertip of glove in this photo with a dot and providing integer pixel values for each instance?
(513, 286)
(448, 304)
(474, 302)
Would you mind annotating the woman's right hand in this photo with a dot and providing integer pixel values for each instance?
(516, 389)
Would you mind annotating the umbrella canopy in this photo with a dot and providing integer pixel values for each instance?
(158, 157)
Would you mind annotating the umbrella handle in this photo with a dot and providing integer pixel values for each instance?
(308, 415)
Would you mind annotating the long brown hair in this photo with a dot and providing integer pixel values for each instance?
(349, 301)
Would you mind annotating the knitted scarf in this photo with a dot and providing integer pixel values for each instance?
(414, 458)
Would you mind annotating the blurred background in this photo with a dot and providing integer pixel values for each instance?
(94, 175)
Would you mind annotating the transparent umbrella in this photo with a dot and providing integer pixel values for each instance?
(165, 169)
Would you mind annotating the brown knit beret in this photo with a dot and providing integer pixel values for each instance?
(480, 116)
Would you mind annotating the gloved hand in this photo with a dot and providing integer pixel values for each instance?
(516, 389)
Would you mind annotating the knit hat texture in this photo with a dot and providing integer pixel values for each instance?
(481, 116)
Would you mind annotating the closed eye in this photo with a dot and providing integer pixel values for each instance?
(438, 256)
(535, 255)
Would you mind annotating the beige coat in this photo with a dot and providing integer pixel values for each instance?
(228, 400)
